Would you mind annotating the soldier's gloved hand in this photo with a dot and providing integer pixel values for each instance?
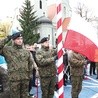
(9, 37)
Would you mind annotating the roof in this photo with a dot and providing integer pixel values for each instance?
(44, 19)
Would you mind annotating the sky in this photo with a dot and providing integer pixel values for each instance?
(94, 5)
(91, 4)
(8, 7)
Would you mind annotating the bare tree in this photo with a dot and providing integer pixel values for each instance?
(84, 11)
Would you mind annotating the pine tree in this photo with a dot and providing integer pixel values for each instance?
(29, 23)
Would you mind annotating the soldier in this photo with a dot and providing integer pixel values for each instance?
(20, 63)
(35, 74)
(77, 62)
(47, 70)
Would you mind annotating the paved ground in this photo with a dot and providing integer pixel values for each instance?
(89, 89)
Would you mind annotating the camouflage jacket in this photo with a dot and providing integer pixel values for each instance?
(45, 62)
(19, 61)
(77, 62)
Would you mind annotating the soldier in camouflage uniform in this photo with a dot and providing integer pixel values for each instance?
(77, 62)
(47, 70)
(20, 63)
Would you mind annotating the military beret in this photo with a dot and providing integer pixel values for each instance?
(16, 35)
(44, 40)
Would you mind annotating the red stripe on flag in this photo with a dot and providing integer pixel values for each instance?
(80, 43)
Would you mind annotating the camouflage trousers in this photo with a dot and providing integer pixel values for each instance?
(76, 82)
(19, 89)
(48, 86)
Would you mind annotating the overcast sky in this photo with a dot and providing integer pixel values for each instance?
(7, 7)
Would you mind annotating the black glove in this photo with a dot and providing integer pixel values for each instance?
(9, 37)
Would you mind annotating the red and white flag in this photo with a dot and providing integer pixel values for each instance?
(82, 37)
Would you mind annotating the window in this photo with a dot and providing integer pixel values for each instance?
(40, 4)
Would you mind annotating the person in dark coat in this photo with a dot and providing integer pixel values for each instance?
(97, 69)
(92, 68)
(66, 67)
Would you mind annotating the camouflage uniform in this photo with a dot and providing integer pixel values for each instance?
(19, 63)
(77, 62)
(47, 70)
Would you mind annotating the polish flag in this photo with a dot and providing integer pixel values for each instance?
(82, 37)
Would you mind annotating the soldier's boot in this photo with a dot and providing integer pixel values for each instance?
(51, 96)
(74, 97)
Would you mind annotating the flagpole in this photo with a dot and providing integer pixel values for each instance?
(60, 66)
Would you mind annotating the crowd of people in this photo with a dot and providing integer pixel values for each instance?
(25, 63)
